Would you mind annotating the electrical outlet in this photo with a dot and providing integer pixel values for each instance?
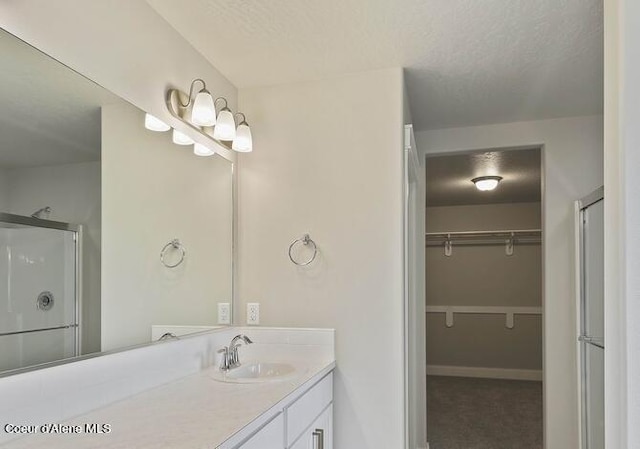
(253, 313)
(224, 313)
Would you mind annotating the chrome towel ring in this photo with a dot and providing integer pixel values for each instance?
(305, 240)
(174, 244)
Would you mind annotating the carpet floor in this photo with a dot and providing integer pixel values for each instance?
(471, 413)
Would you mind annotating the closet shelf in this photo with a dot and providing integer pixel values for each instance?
(508, 312)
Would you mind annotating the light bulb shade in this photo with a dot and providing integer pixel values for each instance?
(225, 126)
(153, 123)
(180, 138)
(243, 142)
(202, 150)
(204, 112)
(486, 183)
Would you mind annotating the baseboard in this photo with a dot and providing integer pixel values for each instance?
(487, 373)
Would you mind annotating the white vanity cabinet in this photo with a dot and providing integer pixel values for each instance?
(305, 421)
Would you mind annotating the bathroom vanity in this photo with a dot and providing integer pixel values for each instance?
(262, 408)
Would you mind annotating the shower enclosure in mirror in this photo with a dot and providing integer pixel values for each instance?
(73, 152)
(39, 278)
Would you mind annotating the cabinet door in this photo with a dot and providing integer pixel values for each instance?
(320, 434)
(270, 436)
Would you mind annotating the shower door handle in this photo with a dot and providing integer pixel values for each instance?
(591, 340)
(44, 329)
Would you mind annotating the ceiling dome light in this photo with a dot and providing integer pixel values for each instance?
(204, 112)
(225, 126)
(153, 123)
(486, 183)
(243, 143)
(202, 150)
(180, 138)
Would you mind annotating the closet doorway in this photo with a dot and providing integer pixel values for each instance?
(484, 287)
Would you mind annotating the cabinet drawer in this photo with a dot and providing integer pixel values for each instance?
(319, 435)
(270, 436)
(303, 412)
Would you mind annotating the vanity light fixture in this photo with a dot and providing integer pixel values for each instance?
(486, 183)
(197, 109)
(153, 123)
(243, 143)
(180, 138)
(202, 150)
(226, 125)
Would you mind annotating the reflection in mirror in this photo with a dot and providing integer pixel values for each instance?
(110, 234)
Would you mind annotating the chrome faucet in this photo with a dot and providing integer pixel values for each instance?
(230, 358)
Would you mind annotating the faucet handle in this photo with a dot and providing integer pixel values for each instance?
(224, 363)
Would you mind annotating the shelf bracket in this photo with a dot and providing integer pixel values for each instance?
(448, 246)
(508, 250)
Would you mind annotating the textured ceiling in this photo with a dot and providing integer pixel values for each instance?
(468, 62)
(449, 177)
(50, 114)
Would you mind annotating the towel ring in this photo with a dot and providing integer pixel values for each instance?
(175, 244)
(305, 240)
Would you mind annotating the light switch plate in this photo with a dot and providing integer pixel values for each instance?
(224, 313)
(253, 313)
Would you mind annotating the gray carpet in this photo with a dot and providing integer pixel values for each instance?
(469, 413)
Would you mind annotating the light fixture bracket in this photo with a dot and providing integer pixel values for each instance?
(176, 107)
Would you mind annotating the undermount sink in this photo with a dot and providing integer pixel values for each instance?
(259, 372)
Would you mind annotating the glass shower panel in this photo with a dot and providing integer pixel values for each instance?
(592, 342)
(594, 396)
(20, 350)
(38, 307)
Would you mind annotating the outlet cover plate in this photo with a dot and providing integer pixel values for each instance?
(253, 313)
(224, 313)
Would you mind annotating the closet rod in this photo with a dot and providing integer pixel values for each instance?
(507, 237)
(497, 234)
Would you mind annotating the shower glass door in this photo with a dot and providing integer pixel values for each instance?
(38, 291)
(592, 320)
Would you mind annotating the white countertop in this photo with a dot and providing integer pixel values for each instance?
(195, 412)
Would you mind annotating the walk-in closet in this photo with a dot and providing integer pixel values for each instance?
(484, 300)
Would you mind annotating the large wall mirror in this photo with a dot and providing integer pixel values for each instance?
(89, 202)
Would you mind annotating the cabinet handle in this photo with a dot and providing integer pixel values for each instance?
(318, 439)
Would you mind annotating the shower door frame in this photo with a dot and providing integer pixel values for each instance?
(77, 231)
(581, 207)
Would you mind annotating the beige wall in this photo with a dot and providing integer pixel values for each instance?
(484, 276)
(573, 161)
(328, 161)
(152, 192)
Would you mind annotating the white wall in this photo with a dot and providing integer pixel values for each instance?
(330, 163)
(123, 45)
(622, 223)
(73, 193)
(573, 161)
(152, 192)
